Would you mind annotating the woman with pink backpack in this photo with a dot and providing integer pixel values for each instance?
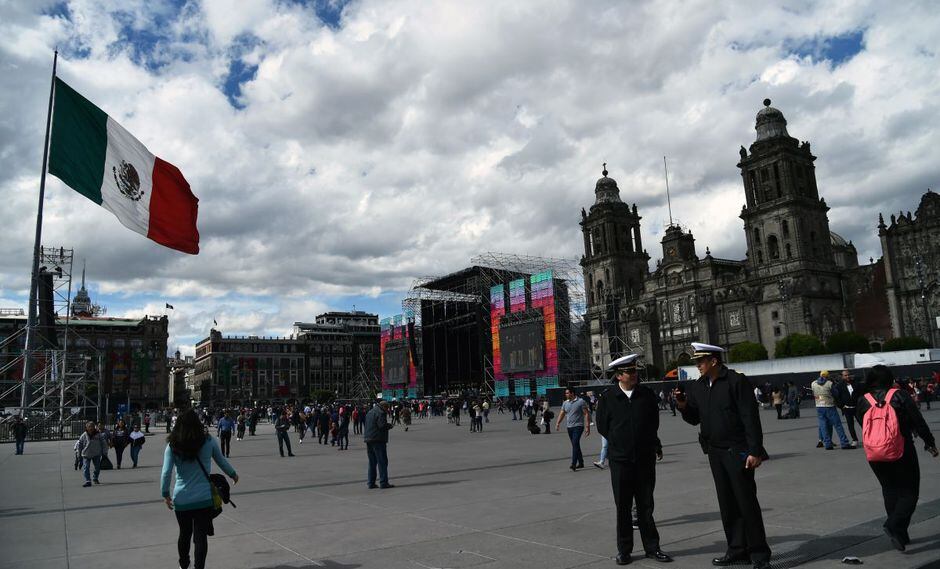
(889, 417)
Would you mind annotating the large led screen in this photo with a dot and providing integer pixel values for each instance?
(396, 363)
(522, 346)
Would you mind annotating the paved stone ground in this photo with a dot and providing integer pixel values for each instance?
(499, 499)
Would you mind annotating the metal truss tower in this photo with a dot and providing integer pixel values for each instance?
(59, 387)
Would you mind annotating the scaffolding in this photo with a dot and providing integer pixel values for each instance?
(365, 385)
(62, 386)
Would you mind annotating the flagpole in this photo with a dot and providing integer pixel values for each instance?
(31, 318)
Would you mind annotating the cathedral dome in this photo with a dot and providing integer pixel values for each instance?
(606, 189)
(770, 123)
(837, 240)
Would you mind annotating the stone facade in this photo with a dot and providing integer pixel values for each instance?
(323, 355)
(911, 248)
(794, 280)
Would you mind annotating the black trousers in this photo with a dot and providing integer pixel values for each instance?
(900, 487)
(283, 438)
(849, 414)
(225, 440)
(194, 526)
(740, 510)
(634, 481)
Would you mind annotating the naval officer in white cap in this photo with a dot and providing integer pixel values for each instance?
(628, 417)
(722, 402)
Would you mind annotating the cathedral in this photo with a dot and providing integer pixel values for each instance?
(797, 276)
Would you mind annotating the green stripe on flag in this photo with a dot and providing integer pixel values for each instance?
(79, 142)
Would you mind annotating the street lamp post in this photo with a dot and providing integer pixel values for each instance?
(924, 285)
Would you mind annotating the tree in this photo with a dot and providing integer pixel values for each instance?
(322, 396)
(747, 352)
(905, 343)
(841, 342)
(797, 345)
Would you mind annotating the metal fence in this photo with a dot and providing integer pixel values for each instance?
(41, 429)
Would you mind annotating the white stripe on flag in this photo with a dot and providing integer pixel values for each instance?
(128, 179)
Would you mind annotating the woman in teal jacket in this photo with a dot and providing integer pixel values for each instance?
(189, 452)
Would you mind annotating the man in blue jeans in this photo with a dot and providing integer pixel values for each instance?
(375, 436)
(577, 416)
(827, 414)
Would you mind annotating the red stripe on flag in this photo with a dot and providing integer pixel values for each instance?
(173, 209)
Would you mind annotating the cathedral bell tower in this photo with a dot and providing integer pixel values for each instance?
(785, 219)
(615, 264)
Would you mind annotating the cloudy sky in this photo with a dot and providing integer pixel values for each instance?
(340, 150)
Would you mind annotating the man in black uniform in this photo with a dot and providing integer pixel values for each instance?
(723, 402)
(628, 417)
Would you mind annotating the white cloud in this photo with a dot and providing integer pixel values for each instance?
(417, 134)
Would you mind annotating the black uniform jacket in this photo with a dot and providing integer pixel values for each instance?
(840, 392)
(727, 412)
(909, 418)
(630, 425)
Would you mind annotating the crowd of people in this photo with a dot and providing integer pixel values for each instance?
(724, 404)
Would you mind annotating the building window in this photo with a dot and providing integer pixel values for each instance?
(774, 314)
(773, 248)
(785, 228)
(777, 331)
(760, 256)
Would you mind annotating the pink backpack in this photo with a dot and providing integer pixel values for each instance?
(881, 432)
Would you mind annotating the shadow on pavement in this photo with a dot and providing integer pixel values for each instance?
(323, 563)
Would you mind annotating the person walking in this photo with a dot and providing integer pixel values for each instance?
(282, 430)
(577, 417)
(240, 423)
(19, 434)
(899, 478)
(342, 429)
(189, 454)
(777, 398)
(846, 395)
(547, 416)
(119, 440)
(722, 402)
(405, 417)
(323, 433)
(225, 428)
(375, 436)
(628, 418)
(136, 440)
(794, 398)
(826, 413)
(91, 446)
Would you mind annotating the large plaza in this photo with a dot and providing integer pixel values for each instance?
(501, 498)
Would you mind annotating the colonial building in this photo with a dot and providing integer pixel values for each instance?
(326, 354)
(238, 370)
(341, 347)
(911, 248)
(793, 278)
(129, 352)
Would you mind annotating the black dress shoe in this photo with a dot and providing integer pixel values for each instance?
(623, 559)
(764, 564)
(385, 486)
(895, 539)
(371, 486)
(659, 555)
(726, 560)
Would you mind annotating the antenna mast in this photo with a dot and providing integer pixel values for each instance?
(668, 200)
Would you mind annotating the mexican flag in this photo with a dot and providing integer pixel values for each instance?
(98, 158)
